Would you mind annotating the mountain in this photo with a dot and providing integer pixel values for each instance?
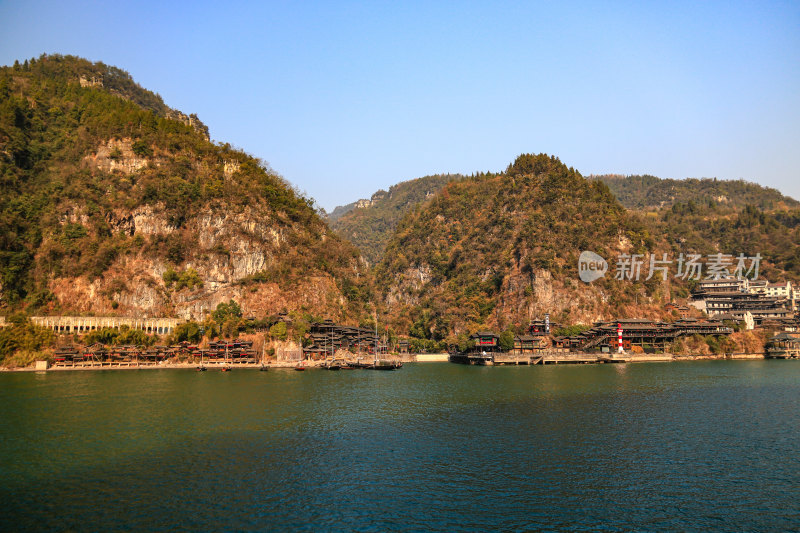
(710, 228)
(113, 203)
(709, 216)
(649, 192)
(495, 250)
(341, 210)
(370, 223)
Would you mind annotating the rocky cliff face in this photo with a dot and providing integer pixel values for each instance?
(226, 251)
(118, 155)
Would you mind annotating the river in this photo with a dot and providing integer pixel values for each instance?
(433, 446)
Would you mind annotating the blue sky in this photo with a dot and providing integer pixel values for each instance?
(344, 98)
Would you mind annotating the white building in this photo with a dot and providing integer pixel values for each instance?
(780, 290)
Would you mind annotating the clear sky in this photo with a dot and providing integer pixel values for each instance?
(344, 98)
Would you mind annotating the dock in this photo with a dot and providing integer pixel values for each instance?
(557, 358)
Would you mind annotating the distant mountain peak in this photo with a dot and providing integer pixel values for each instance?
(369, 223)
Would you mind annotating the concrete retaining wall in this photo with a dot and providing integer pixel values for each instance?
(431, 357)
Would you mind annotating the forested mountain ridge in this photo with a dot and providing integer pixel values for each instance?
(709, 216)
(495, 250)
(370, 223)
(649, 192)
(113, 203)
(710, 228)
(712, 209)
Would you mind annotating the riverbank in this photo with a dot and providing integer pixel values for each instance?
(406, 358)
(567, 358)
(742, 356)
(159, 366)
(666, 357)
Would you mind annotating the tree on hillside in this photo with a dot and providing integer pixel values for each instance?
(226, 311)
(507, 340)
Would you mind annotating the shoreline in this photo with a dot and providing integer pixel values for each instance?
(426, 358)
(161, 366)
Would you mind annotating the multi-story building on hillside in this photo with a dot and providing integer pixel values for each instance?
(758, 286)
(730, 284)
(326, 338)
(542, 327)
(647, 334)
(780, 290)
(742, 299)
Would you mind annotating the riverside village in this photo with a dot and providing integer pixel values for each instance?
(719, 313)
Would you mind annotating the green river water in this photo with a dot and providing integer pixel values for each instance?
(434, 446)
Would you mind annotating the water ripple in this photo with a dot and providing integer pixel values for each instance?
(432, 447)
